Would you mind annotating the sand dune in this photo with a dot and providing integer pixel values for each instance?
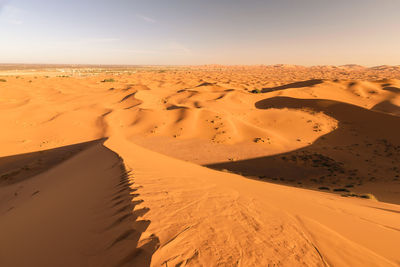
(108, 172)
(79, 213)
(223, 219)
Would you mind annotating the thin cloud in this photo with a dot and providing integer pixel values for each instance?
(146, 18)
(11, 14)
(2, 5)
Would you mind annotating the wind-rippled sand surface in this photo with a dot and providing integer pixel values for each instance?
(199, 166)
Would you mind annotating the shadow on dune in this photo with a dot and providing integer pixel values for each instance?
(308, 83)
(330, 159)
(16, 168)
(392, 89)
(124, 201)
(122, 227)
(174, 107)
(343, 112)
(387, 107)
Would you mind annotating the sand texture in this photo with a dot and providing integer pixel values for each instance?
(199, 166)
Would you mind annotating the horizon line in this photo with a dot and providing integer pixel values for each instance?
(193, 65)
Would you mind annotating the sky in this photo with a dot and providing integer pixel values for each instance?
(194, 32)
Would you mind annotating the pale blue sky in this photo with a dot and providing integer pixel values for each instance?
(307, 32)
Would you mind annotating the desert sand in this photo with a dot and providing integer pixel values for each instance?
(199, 166)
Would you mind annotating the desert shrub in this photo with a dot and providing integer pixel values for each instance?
(255, 91)
(3, 80)
(341, 190)
(350, 194)
(368, 196)
(365, 196)
(108, 80)
(323, 188)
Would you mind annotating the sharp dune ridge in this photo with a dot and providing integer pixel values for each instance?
(82, 209)
(200, 166)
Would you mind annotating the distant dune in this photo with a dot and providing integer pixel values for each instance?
(212, 165)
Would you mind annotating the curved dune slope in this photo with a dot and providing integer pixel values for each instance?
(82, 212)
(363, 152)
(221, 219)
(99, 173)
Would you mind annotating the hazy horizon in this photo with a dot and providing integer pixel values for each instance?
(179, 32)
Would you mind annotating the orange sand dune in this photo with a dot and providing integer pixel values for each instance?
(97, 171)
(79, 213)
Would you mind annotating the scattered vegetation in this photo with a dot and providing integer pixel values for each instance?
(341, 190)
(365, 196)
(256, 91)
(111, 80)
(368, 196)
(324, 188)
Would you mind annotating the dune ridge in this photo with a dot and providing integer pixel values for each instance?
(80, 210)
(142, 198)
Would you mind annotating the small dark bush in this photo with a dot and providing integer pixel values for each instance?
(341, 190)
(323, 188)
(258, 140)
(350, 194)
(368, 196)
(108, 80)
(3, 80)
(255, 91)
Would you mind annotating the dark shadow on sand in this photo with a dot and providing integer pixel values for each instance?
(17, 168)
(387, 106)
(308, 83)
(123, 221)
(392, 89)
(328, 161)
